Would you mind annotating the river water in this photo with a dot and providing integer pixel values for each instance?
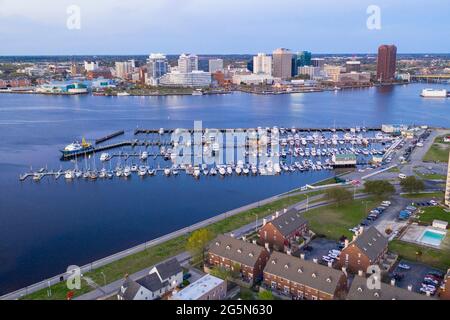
(46, 226)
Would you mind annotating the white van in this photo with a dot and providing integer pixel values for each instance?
(402, 176)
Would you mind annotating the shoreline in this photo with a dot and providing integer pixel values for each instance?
(32, 288)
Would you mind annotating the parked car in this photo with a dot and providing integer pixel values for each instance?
(402, 176)
(186, 276)
(404, 266)
(411, 208)
(436, 274)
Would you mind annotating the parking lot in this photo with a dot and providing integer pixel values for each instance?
(319, 247)
(413, 276)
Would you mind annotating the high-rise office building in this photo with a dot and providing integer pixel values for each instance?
(262, 64)
(187, 63)
(386, 63)
(282, 63)
(215, 65)
(294, 66)
(303, 58)
(157, 65)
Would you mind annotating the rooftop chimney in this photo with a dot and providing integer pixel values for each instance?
(302, 256)
(330, 264)
(393, 282)
(346, 243)
(289, 252)
(244, 238)
(264, 221)
(360, 273)
(315, 260)
(410, 288)
(277, 214)
(361, 230)
(354, 237)
(254, 241)
(266, 245)
(232, 235)
(285, 210)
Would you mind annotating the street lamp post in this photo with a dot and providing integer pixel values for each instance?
(256, 222)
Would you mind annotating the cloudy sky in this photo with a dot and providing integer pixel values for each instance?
(29, 27)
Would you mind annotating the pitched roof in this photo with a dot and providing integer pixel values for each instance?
(288, 222)
(152, 282)
(304, 272)
(237, 250)
(129, 289)
(371, 242)
(169, 268)
(360, 291)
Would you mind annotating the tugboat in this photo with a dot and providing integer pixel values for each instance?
(76, 147)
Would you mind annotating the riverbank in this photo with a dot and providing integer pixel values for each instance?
(134, 259)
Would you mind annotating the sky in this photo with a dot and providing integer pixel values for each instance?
(40, 27)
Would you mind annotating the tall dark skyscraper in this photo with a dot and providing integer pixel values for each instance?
(386, 63)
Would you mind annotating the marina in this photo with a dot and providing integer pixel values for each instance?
(268, 151)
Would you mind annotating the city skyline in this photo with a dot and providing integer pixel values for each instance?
(197, 26)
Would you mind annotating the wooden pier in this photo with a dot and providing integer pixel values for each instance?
(110, 136)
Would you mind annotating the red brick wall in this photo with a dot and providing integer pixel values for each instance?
(269, 234)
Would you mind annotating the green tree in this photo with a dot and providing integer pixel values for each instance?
(379, 188)
(221, 273)
(338, 194)
(265, 295)
(412, 185)
(197, 242)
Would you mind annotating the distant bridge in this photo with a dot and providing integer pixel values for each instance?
(431, 76)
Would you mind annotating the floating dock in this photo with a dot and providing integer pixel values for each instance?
(110, 136)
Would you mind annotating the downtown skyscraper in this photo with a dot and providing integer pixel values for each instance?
(386, 63)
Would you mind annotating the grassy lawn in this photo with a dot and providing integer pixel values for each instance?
(432, 213)
(438, 151)
(430, 176)
(333, 222)
(436, 195)
(133, 263)
(394, 169)
(436, 258)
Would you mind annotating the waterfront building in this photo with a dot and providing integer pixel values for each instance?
(75, 70)
(219, 78)
(447, 186)
(62, 88)
(353, 66)
(262, 64)
(124, 69)
(207, 287)
(302, 279)
(250, 65)
(246, 258)
(282, 63)
(102, 83)
(360, 291)
(310, 71)
(159, 282)
(157, 66)
(318, 62)
(332, 72)
(90, 65)
(186, 79)
(252, 79)
(386, 63)
(367, 248)
(283, 231)
(294, 66)
(215, 65)
(354, 77)
(187, 63)
(303, 59)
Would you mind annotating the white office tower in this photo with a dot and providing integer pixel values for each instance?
(157, 66)
(186, 79)
(262, 64)
(187, 63)
(124, 69)
(215, 65)
(90, 65)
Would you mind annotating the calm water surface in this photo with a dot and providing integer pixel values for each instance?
(46, 226)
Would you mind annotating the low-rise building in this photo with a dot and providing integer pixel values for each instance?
(186, 79)
(303, 279)
(444, 292)
(232, 254)
(252, 79)
(367, 248)
(283, 231)
(207, 287)
(359, 290)
(161, 280)
(344, 160)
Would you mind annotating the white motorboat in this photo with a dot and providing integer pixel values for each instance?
(105, 156)
(144, 155)
(245, 170)
(238, 170)
(196, 172)
(151, 172)
(167, 171)
(142, 171)
(134, 168)
(126, 171)
(102, 173)
(229, 170)
(69, 175)
(222, 171)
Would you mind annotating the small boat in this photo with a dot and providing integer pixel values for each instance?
(102, 173)
(196, 172)
(142, 171)
(122, 94)
(238, 170)
(109, 175)
(69, 175)
(229, 169)
(126, 171)
(151, 172)
(144, 155)
(37, 176)
(119, 172)
(134, 168)
(105, 156)
(167, 171)
(246, 170)
(222, 171)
